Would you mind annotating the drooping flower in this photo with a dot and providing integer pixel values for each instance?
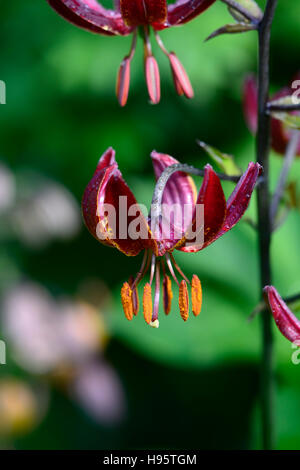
(182, 229)
(287, 323)
(280, 133)
(126, 18)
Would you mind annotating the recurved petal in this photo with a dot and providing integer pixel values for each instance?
(211, 198)
(184, 10)
(239, 199)
(143, 12)
(105, 205)
(250, 104)
(285, 320)
(91, 15)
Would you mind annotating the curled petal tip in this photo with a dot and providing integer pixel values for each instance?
(287, 323)
(152, 79)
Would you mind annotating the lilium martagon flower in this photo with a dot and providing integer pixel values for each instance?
(108, 187)
(280, 133)
(287, 323)
(129, 17)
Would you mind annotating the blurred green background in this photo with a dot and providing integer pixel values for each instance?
(112, 384)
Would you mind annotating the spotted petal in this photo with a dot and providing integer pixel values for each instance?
(105, 205)
(179, 196)
(285, 320)
(91, 15)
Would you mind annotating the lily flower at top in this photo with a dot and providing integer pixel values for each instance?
(108, 189)
(126, 18)
(287, 323)
(280, 134)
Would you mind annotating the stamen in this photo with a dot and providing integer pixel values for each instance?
(183, 301)
(196, 295)
(142, 271)
(178, 269)
(147, 303)
(126, 297)
(123, 78)
(171, 269)
(167, 294)
(135, 297)
(157, 292)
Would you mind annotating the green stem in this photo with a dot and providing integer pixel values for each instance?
(264, 222)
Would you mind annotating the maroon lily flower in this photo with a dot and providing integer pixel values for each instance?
(285, 320)
(108, 188)
(125, 19)
(280, 133)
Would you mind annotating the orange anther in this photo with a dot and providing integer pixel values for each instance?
(196, 295)
(183, 301)
(126, 297)
(147, 303)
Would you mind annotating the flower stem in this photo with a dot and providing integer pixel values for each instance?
(264, 221)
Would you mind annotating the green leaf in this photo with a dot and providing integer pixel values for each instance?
(225, 162)
(232, 29)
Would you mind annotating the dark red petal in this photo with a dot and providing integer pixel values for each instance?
(250, 104)
(143, 12)
(91, 15)
(211, 195)
(152, 79)
(183, 11)
(106, 186)
(239, 199)
(285, 320)
(180, 192)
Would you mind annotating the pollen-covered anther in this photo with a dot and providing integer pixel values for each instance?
(183, 301)
(152, 78)
(167, 294)
(123, 81)
(196, 295)
(127, 303)
(181, 80)
(147, 303)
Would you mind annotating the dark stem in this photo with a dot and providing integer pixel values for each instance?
(283, 107)
(264, 220)
(292, 298)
